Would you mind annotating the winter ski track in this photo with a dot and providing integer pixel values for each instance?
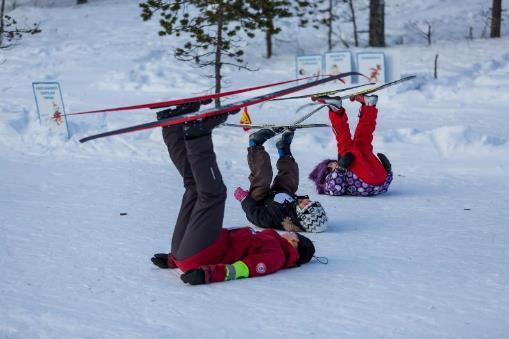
(428, 259)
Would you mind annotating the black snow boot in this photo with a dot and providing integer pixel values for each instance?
(188, 107)
(199, 128)
(258, 138)
(283, 144)
(346, 160)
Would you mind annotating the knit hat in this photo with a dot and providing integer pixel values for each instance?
(305, 248)
(319, 173)
(312, 217)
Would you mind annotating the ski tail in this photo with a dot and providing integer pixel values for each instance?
(323, 93)
(367, 91)
(216, 111)
(377, 88)
(163, 104)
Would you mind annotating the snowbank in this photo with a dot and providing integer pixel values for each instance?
(427, 259)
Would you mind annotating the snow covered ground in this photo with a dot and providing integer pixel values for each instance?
(428, 259)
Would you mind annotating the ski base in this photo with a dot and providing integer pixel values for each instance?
(217, 111)
(275, 128)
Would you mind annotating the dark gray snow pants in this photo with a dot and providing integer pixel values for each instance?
(200, 219)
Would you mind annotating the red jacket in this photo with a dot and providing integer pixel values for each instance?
(262, 252)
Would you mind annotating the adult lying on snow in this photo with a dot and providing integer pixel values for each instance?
(200, 246)
(357, 171)
(275, 204)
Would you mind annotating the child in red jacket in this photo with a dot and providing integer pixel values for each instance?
(201, 247)
(357, 171)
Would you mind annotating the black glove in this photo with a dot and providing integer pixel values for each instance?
(194, 277)
(160, 260)
(206, 101)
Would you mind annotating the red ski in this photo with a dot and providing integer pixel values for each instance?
(216, 111)
(163, 104)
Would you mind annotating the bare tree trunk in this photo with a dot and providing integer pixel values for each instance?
(354, 22)
(382, 21)
(377, 23)
(435, 74)
(329, 24)
(496, 18)
(219, 48)
(2, 8)
(268, 39)
(428, 35)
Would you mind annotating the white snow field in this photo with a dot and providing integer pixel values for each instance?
(429, 259)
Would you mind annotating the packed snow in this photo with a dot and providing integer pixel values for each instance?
(428, 259)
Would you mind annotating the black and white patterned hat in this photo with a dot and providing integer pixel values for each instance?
(312, 217)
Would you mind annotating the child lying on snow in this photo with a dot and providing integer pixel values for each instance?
(357, 171)
(275, 204)
(200, 246)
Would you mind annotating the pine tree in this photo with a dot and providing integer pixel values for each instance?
(213, 27)
(267, 13)
(320, 13)
(9, 30)
(2, 9)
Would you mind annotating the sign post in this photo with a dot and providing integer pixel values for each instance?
(309, 65)
(372, 65)
(339, 62)
(50, 107)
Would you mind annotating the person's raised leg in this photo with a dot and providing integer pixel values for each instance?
(363, 137)
(339, 121)
(175, 142)
(259, 164)
(206, 220)
(368, 168)
(287, 178)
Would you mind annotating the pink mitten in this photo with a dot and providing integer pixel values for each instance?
(240, 194)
